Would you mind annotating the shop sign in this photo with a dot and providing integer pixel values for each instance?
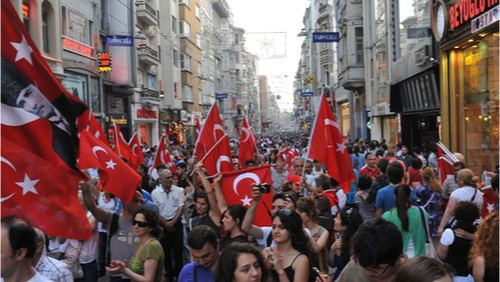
(307, 94)
(104, 62)
(143, 113)
(78, 47)
(119, 40)
(484, 20)
(325, 37)
(120, 119)
(381, 109)
(465, 10)
(221, 96)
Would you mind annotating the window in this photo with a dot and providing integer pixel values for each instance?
(175, 58)
(76, 84)
(185, 62)
(76, 27)
(184, 28)
(174, 24)
(187, 93)
(26, 15)
(197, 11)
(151, 81)
(95, 95)
(200, 97)
(359, 46)
(45, 31)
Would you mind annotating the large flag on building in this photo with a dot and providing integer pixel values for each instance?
(212, 147)
(237, 189)
(327, 146)
(445, 162)
(116, 176)
(39, 138)
(163, 156)
(121, 146)
(136, 156)
(247, 147)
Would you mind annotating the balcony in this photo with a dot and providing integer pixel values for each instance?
(150, 95)
(148, 55)
(353, 77)
(146, 13)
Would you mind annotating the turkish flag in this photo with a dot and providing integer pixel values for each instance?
(445, 162)
(38, 191)
(163, 156)
(326, 145)
(237, 189)
(136, 156)
(116, 176)
(212, 147)
(489, 201)
(121, 146)
(247, 147)
(88, 122)
(197, 125)
(39, 137)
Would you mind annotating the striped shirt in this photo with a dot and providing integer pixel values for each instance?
(54, 269)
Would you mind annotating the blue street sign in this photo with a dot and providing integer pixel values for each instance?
(307, 94)
(325, 37)
(221, 96)
(119, 40)
(251, 111)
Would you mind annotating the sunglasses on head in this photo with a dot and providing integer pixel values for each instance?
(286, 211)
(141, 224)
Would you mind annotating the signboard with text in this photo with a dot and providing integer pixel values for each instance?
(221, 96)
(104, 62)
(307, 94)
(325, 37)
(119, 40)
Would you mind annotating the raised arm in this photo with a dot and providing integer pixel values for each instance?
(221, 201)
(247, 225)
(214, 208)
(99, 213)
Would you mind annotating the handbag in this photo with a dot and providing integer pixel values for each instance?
(74, 263)
(430, 251)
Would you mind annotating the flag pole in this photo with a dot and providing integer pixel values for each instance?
(209, 151)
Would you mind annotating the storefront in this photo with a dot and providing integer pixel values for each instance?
(145, 120)
(118, 109)
(467, 32)
(384, 123)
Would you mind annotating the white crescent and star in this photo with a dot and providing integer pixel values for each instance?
(133, 150)
(246, 201)
(23, 51)
(28, 184)
(242, 176)
(247, 134)
(221, 159)
(12, 166)
(110, 163)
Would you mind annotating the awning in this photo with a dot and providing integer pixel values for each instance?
(418, 93)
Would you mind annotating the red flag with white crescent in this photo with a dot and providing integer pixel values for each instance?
(237, 189)
(39, 137)
(327, 146)
(163, 156)
(212, 147)
(88, 122)
(121, 146)
(136, 156)
(247, 147)
(116, 176)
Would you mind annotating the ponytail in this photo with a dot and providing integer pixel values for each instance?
(403, 203)
(428, 177)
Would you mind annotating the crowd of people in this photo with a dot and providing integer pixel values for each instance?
(179, 227)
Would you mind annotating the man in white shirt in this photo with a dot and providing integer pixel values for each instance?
(169, 200)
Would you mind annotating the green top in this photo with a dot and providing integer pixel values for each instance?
(415, 227)
(152, 250)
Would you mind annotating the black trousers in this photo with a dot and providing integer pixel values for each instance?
(173, 242)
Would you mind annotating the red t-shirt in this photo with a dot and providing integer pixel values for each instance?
(372, 173)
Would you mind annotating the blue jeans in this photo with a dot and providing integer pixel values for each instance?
(90, 272)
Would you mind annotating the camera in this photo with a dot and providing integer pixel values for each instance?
(264, 188)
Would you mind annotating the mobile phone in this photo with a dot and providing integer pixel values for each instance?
(317, 272)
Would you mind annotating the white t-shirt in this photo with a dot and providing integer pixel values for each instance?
(466, 193)
(37, 278)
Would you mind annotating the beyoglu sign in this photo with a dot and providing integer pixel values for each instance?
(465, 10)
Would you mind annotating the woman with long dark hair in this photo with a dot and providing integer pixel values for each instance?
(289, 259)
(346, 223)
(231, 221)
(241, 263)
(484, 251)
(147, 262)
(408, 220)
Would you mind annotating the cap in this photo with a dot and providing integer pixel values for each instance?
(295, 179)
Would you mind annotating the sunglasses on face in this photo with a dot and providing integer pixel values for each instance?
(141, 224)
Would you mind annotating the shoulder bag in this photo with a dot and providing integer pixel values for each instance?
(430, 251)
(74, 263)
